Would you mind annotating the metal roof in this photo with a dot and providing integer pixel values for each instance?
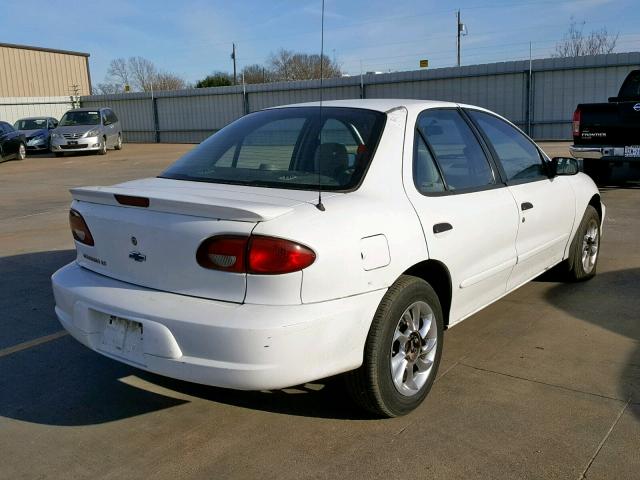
(42, 49)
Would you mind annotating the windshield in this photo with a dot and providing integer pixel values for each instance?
(297, 147)
(80, 118)
(31, 124)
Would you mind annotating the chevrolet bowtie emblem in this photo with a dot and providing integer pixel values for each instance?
(138, 257)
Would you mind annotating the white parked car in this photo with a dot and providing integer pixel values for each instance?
(228, 269)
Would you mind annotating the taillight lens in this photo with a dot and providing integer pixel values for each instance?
(79, 228)
(272, 256)
(258, 255)
(576, 123)
(225, 252)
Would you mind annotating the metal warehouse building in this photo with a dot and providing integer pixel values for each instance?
(42, 72)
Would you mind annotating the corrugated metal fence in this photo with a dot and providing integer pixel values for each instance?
(541, 101)
(14, 108)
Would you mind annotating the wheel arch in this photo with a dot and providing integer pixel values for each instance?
(437, 275)
(596, 203)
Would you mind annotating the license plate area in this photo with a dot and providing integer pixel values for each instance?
(72, 142)
(632, 151)
(123, 338)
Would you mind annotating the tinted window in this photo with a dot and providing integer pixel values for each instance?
(111, 116)
(425, 172)
(6, 128)
(461, 159)
(519, 157)
(287, 148)
(631, 86)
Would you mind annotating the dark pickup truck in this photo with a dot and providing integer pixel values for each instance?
(608, 134)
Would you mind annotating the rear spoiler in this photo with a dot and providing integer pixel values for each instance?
(193, 205)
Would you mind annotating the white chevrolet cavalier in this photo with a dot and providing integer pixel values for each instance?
(228, 269)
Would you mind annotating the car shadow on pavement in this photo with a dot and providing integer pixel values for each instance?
(620, 314)
(61, 382)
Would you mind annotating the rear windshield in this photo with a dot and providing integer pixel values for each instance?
(31, 124)
(631, 86)
(297, 147)
(80, 118)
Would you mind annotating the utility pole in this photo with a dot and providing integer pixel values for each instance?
(233, 57)
(459, 30)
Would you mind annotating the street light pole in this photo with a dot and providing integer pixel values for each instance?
(458, 29)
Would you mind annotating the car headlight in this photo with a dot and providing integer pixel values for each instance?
(56, 135)
(92, 133)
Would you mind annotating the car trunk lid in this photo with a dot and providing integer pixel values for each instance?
(155, 246)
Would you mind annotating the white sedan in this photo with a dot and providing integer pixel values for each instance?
(306, 241)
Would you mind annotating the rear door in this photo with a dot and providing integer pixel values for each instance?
(468, 216)
(546, 205)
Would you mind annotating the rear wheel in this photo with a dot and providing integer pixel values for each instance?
(583, 257)
(22, 152)
(402, 352)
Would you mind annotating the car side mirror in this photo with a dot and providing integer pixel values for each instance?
(563, 166)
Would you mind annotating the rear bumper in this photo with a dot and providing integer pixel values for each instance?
(601, 152)
(241, 346)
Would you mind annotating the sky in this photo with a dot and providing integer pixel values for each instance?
(193, 37)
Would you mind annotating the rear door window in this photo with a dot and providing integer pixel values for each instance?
(457, 151)
(519, 157)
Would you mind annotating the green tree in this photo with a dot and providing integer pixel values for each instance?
(216, 79)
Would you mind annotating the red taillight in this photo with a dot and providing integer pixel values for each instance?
(576, 123)
(256, 255)
(79, 228)
(226, 252)
(271, 256)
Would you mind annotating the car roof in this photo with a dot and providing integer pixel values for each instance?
(384, 104)
(35, 118)
(87, 109)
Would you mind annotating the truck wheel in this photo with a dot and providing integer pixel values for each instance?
(402, 351)
(598, 170)
(585, 248)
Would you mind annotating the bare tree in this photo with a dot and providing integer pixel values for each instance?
(107, 88)
(256, 74)
(118, 73)
(287, 65)
(168, 81)
(143, 73)
(576, 44)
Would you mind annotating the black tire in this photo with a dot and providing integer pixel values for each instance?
(575, 266)
(371, 386)
(118, 145)
(103, 147)
(598, 170)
